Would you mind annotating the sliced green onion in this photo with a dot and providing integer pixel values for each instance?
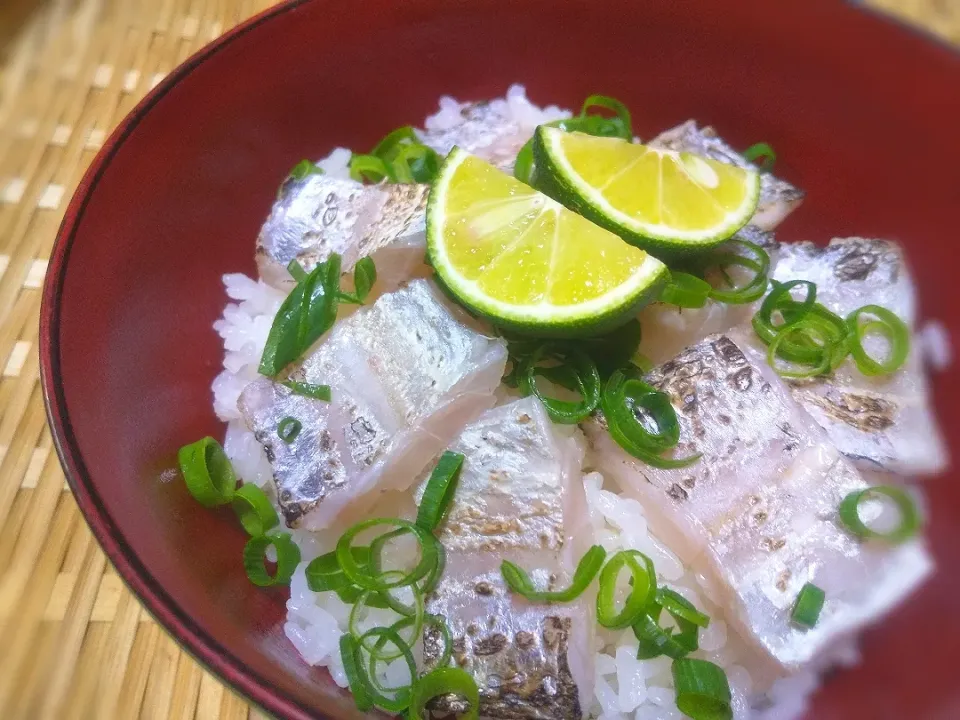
(296, 270)
(364, 277)
(686, 291)
(256, 512)
(738, 253)
(394, 141)
(369, 168)
(614, 350)
(441, 624)
(301, 170)
(307, 313)
(416, 164)
(780, 297)
(518, 580)
(445, 681)
(762, 152)
(622, 397)
(401, 699)
(643, 581)
(806, 611)
(887, 324)
(288, 429)
(681, 608)
(440, 490)
(352, 666)
(323, 573)
(370, 579)
(580, 369)
(655, 641)
(255, 552)
(910, 520)
(622, 124)
(703, 692)
(317, 392)
(413, 620)
(207, 472)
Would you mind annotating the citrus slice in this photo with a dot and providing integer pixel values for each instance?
(665, 201)
(523, 260)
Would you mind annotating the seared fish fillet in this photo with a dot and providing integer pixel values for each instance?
(883, 423)
(406, 374)
(758, 512)
(319, 215)
(520, 498)
(668, 329)
(778, 198)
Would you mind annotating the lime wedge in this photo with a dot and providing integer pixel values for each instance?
(664, 201)
(523, 260)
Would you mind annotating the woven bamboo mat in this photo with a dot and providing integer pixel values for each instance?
(73, 642)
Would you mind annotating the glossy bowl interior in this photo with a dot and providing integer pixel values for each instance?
(863, 115)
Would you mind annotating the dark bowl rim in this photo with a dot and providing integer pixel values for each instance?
(161, 606)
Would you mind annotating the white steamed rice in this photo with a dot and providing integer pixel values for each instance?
(626, 688)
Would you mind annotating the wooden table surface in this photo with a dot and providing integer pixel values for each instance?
(73, 642)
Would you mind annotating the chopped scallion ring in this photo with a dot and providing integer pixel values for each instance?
(440, 490)
(207, 472)
(288, 429)
(369, 576)
(254, 554)
(686, 291)
(703, 692)
(761, 154)
(643, 581)
(576, 371)
(443, 629)
(445, 681)
(890, 327)
(738, 253)
(910, 520)
(401, 694)
(317, 392)
(806, 611)
(350, 657)
(255, 511)
(519, 581)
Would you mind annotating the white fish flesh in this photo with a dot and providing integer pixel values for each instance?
(778, 198)
(881, 423)
(758, 512)
(667, 329)
(319, 215)
(519, 498)
(406, 374)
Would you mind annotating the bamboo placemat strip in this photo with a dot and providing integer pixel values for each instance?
(73, 642)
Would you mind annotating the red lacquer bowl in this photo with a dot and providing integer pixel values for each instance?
(863, 114)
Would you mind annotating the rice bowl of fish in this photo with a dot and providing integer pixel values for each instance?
(691, 507)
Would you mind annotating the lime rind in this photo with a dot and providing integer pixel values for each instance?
(544, 319)
(555, 176)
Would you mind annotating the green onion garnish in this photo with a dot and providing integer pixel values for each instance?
(576, 372)
(643, 581)
(737, 253)
(623, 397)
(703, 692)
(296, 270)
(413, 620)
(592, 124)
(307, 313)
(207, 472)
(614, 350)
(323, 573)
(301, 170)
(254, 509)
(440, 490)
(369, 168)
(369, 576)
(441, 624)
(364, 276)
(519, 581)
(686, 291)
(317, 392)
(681, 609)
(352, 666)
(416, 164)
(400, 158)
(762, 152)
(780, 297)
(889, 326)
(254, 554)
(401, 698)
(910, 520)
(445, 681)
(655, 641)
(394, 141)
(288, 429)
(806, 611)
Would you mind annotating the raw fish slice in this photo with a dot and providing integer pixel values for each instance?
(667, 329)
(406, 374)
(520, 497)
(778, 198)
(319, 215)
(758, 512)
(881, 423)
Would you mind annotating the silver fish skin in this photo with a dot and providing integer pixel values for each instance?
(778, 198)
(320, 215)
(486, 130)
(757, 513)
(884, 424)
(668, 329)
(406, 374)
(519, 498)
